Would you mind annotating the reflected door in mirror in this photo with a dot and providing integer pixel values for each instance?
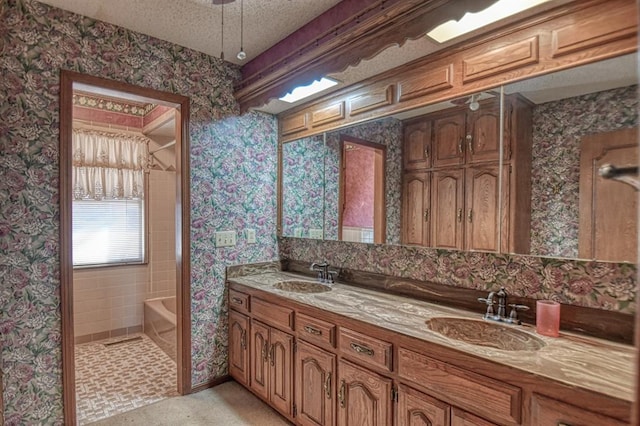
(608, 209)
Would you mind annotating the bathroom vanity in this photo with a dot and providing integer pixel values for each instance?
(338, 354)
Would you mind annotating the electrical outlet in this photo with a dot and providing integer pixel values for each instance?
(251, 236)
(225, 238)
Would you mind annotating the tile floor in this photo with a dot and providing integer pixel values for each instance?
(113, 379)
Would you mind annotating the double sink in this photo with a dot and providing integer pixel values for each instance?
(475, 332)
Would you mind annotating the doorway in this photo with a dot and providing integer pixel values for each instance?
(362, 212)
(131, 198)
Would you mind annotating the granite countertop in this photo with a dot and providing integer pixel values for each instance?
(589, 363)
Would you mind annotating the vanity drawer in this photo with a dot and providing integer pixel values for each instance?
(369, 350)
(275, 315)
(239, 301)
(315, 330)
(486, 397)
(547, 411)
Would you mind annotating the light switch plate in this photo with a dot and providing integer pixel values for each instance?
(225, 238)
(315, 233)
(251, 236)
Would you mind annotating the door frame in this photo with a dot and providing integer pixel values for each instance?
(183, 244)
(379, 202)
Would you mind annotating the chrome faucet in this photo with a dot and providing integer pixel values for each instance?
(324, 274)
(501, 315)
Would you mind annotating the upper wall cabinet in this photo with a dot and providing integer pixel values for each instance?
(570, 34)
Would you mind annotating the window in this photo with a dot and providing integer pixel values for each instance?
(108, 232)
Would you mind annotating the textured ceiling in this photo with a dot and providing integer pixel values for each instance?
(196, 23)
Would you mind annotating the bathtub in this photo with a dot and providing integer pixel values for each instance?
(160, 323)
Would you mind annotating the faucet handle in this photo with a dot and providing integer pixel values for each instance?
(513, 315)
(487, 300)
(331, 276)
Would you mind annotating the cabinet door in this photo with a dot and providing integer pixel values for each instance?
(547, 411)
(315, 381)
(482, 216)
(418, 409)
(447, 209)
(483, 134)
(417, 145)
(416, 208)
(259, 347)
(238, 349)
(449, 140)
(462, 418)
(364, 397)
(281, 371)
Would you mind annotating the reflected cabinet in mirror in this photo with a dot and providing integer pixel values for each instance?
(514, 169)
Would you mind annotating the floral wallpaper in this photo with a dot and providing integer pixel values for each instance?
(610, 286)
(555, 180)
(387, 132)
(302, 186)
(233, 182)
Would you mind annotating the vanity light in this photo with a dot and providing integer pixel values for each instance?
(472, 21)
(241, 54)
(474, 105)
(302, 92)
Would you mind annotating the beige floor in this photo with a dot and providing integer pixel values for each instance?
(228, 404)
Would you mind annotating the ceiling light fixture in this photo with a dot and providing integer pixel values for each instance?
(472, 21)
(302, 92)
(241, 54)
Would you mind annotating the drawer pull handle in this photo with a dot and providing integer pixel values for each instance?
(265, 352)
(236, 300)
(460, 145)
(327, 386)
(470, 143)
(341, 394)
(563, 424)
(361, 349)
(312, 330)
(243, 339)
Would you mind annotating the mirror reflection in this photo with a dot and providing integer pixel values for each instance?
(446, 185)
(583, 118)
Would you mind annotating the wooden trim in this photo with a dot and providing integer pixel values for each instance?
(500, 55)
(66, 255)
(183, 237)
(350, 32)
(210, 384)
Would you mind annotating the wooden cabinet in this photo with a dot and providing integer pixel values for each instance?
(238, 348)
(546, 411)
(447, 198)
(417, 145)
(468, 204)
(272, 366)
(416, 208)
(418, 409)
(448, 139)
(364, 397)
(315, 386)
(343, 372)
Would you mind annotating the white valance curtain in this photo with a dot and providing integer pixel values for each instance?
(108, 165)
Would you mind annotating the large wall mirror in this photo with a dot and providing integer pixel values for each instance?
(461, 175)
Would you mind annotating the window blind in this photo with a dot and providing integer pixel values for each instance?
(108, 232)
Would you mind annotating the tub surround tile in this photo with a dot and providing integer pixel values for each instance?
(588, 363)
